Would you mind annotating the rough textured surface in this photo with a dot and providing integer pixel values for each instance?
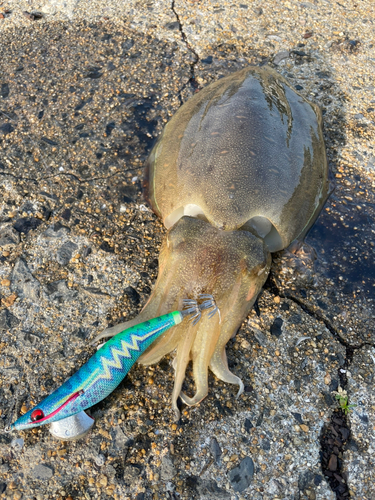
(359, 457)
(83, 92)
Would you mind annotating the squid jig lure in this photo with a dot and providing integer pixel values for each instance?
(103, 372)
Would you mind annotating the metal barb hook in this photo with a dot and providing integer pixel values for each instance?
(208, 303)
(190, 306)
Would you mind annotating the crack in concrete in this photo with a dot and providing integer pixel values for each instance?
(315, 313)
(342, 375)
(192, 79)
(84, 181)
(69, 174)
(335, 434)
(318, 315)
(19, 178)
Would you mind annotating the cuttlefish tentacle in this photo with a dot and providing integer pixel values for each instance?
(167, 344)
(202, 350)
(170, 341)
(219, 367)
(180, 364)
(219, 361)
(114, 330)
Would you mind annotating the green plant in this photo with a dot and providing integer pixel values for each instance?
(343, 401)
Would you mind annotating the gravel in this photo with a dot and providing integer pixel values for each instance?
(358, 460)
(85, 88)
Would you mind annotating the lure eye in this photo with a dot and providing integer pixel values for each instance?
(37, 415)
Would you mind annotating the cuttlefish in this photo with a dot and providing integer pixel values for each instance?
(239, 172)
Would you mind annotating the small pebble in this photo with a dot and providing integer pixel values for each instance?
(10, 300)
(99, 460)
(240, 477)
(42, 472)
(103, 481)
(17, 443)
(327, 379)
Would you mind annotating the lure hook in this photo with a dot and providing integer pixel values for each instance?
(208, 303)
(190, 306)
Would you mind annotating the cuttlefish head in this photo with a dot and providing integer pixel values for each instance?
(197, 258)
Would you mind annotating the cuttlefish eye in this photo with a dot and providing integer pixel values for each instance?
(37, 415)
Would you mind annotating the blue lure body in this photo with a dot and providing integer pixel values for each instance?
(102, 373)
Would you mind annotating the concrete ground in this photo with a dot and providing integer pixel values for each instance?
(85, 88)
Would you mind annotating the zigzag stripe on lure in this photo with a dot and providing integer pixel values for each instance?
(126, 349)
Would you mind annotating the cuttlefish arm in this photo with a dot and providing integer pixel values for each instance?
(197, 258)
